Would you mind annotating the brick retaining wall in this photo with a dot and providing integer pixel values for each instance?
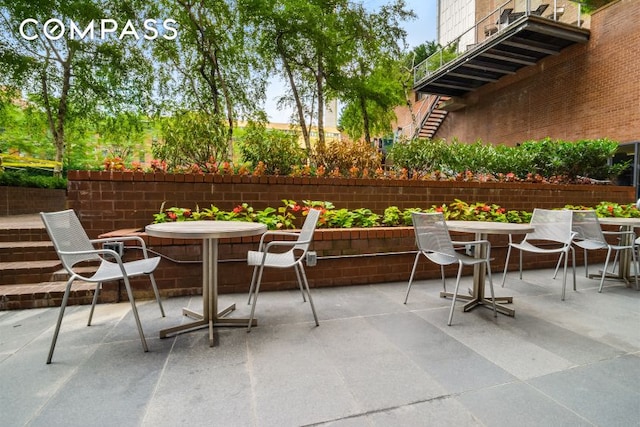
(25, 200)
(107, 201)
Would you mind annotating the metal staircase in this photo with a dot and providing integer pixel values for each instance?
(432, 119)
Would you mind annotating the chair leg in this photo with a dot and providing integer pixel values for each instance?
(127, 285)
(520, 264)
(455, 294)
(573, 263)
(96, 293)
(604, 271)
(300, 285)
(413, 271)
(506, 264)
(564, 275)
(156, 292)
(65, 299)
(255, 295)
(306, 285)
(493, 295)
(615, 262)
(635, 267)
(555, 273)
(586, 264)
(253, 281)
(444, 282)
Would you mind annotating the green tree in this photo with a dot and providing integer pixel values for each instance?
(71, 77)
(370, 81)
(212, 67)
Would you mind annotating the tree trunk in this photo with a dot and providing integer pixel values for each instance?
(365, 120)
(57, 122)
(319, 80)
(296, 96)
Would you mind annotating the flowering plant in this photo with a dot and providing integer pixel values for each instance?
(287, 216)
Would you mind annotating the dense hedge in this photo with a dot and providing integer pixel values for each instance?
(23, 178)
(543, 160)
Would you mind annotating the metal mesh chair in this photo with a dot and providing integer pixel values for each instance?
(265, 256)
(551, 226)
(589, 236)
(73, 246)
(434, 242)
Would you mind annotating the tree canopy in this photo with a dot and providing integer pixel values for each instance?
(101, 66)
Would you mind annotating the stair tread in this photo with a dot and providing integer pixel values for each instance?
(17, 265)
(44, 287)
(26, 244)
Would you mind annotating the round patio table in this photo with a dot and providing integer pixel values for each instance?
(209, 232)
(482, 229)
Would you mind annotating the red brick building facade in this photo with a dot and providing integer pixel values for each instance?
(586, 92)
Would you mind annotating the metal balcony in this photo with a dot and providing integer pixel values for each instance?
(524, 41)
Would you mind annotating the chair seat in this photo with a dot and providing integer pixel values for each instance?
(526, 246)
(277, 260)
(111, 270)
(590, 244)
(446, 259)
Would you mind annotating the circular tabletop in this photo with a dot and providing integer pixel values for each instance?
(488, 227)
(205, 229)
(630, 222)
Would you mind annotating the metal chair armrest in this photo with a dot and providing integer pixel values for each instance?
(138, 239)
(618, 233)
(276, 233)
(285, 243)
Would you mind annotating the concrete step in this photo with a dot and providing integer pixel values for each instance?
(23, 235)
(17, 272)
(27, 251)
(44, 294)
(22, 228)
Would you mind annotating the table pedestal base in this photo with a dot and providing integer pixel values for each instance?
(473, 302)
(611, 275)
(201, 322)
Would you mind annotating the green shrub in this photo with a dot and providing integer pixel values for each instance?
(279, 151)
(349, 158)
(193, 138)
(23, 178)
(546, 158)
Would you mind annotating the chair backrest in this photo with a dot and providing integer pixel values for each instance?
(432, 234)
(552, 224)
(308, 228)
(68, 235)
(587, 227)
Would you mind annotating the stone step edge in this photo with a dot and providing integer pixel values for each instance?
(44, 294)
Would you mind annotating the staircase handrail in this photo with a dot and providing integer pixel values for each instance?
(424, 119)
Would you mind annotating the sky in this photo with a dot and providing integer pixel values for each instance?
(419, 30)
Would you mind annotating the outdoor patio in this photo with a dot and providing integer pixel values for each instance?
(373, 361)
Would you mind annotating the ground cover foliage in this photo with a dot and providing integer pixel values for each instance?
(291, 214)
